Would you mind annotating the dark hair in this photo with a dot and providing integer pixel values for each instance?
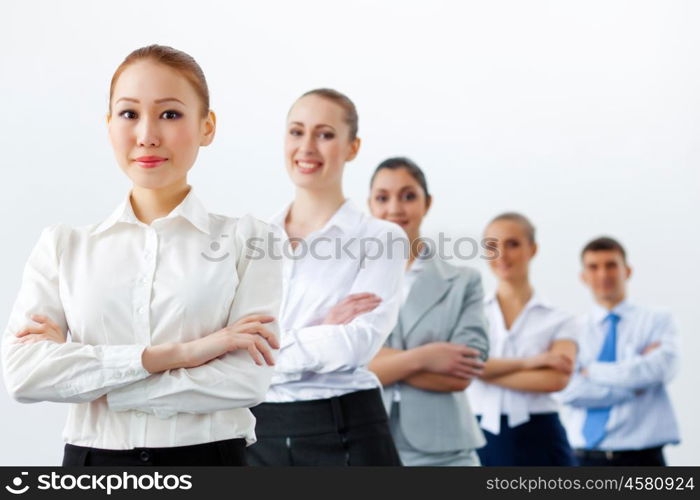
(520, 219)
(344, 102)
(173, 58)
(604, 243)
(409, 165)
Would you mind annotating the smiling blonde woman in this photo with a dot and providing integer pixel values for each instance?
(324, 406)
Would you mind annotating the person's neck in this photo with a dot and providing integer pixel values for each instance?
(152, 204)
(416, 247)
(311, 210)
(517, 291)
(610, 303)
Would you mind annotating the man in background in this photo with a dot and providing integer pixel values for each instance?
(618, 410)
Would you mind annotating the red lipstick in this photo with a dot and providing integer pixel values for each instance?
(150, 161)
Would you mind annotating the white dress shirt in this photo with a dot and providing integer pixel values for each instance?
(533, 331)
(410, 276)
(634, 385)
(120, 286)
(344, 257)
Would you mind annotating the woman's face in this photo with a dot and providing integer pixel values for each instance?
(396, 196)
(512, 250)
(156, 125)
(317, 143)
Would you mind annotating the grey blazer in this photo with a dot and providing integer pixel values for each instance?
(445, 304)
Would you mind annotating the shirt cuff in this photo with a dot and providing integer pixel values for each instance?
(294, 359)
(129, 368)
(120, 364)
(125, 361)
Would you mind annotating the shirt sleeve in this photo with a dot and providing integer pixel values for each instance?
(643, 370)
(583, 392)
(569, 329)
(471, 328)
(233, 380)
(48, 371)
(330, 348)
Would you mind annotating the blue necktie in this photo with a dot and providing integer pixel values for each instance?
(597, 418)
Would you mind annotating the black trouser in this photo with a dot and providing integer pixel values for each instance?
(228, 452)
(626, 458)
(352, 429)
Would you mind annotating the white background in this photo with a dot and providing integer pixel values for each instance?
(584, 115)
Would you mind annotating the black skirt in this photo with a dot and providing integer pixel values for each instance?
(228, 452)
(349, 430)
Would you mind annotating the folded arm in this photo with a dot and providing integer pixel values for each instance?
(233, 380)
(420, 366)
(61, 372)
(338, 347)
(583, 392)
(549, 372)
(644, 369)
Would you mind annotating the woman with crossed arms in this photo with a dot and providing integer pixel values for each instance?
(533, 352)
(170, 319)
(440, 341)
(341, 300)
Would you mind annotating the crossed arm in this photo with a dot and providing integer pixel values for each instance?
(601, 384)
(656, 363)
(226, 369)
(442, 366)
(546, 372)
(437, 366)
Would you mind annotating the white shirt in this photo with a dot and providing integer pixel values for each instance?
(634, 385)
(410, 276)
(319, 361)
(532, 333)
(120, 286)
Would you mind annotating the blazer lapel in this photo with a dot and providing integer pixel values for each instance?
(429, 289)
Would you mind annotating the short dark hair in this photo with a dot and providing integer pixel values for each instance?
(518, 218)
(411, 167)
(604, 243)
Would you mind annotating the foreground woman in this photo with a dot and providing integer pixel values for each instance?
(170, 321)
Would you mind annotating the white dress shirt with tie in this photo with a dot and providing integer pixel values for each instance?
(352, 253)
(120, 286)
(634, 385)
(536, 327)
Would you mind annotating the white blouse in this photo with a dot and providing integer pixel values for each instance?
(120, 286)
(532, 333)
(410, 276)
(350, 254)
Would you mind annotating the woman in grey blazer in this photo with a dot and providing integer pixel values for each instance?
(440, 341)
